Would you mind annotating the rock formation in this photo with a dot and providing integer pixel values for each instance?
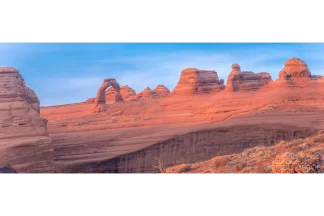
(100, 99)
(296, 73)
(89, 101)
(125, 92)
(194, 81)
(246, 80)
(162, 91)
(147, 93)
(294, 67)
(24, 140)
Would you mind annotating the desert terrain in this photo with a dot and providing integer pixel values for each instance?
(201, 121)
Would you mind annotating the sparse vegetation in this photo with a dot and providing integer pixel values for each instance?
(160, 166)
(318, 139)
(296, 156)
(221, 162)
(258, 169)
(182, 168)
(240, 166)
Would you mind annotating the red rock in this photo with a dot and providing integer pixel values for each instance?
(193, 81)
(89, 101)
(101, 98)
(24, 139)
(162, 91)
(147, 93)
(246, 81)
(125, 92)
(294, 67)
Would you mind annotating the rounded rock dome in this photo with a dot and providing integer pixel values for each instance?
(188, 70)
(295, 61)
(295, 67)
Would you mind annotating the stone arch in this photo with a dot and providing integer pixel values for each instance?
(100, 97)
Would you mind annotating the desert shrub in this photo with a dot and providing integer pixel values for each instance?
(240, 166)
(318, 139)
(282, 142)
(296, 149)
(184, 168)
(294, 143)
(263, 170)
(221, 162)
(160, 166)
(303, 162)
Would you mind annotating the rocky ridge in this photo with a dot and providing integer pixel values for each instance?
(25, 142)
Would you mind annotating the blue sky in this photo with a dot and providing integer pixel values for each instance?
(63, 73)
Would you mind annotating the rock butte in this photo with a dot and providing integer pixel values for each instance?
(193, 81)
(296, 74)
(294, 67)
(203, 121)
(246, 80)
(24, 139)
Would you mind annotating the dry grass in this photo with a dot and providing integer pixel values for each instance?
(255, 160)
(240, 167)
(292, 146)
(220, 162)
(160, 166)
(262, 169)
(183, 168)
(318, 139)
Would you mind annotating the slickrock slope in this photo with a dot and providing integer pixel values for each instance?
(24, 141)
(193, 81)
(125, 91)
(129, 136)
(246, 81)
(162, 91)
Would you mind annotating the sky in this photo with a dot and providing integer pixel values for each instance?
(62, 73)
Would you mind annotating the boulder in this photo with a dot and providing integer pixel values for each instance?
(89, 101)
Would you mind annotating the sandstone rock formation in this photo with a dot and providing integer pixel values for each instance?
(100, 99)
(89, 101)
(246, 80)
(147, 93)
(301, 162)
(194, 81)
(24, 141)
(162, 91)
(294, 67)
(296, 73)
(125, 92)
